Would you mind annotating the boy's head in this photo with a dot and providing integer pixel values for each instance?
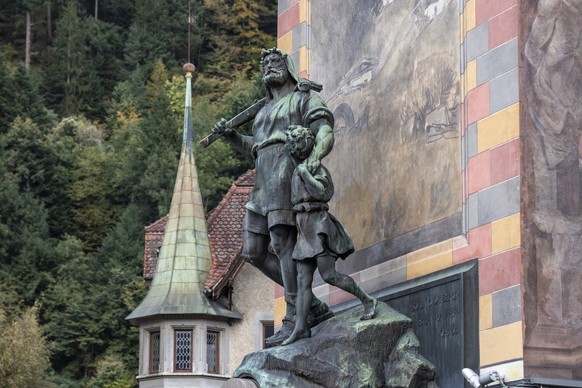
(300, 141)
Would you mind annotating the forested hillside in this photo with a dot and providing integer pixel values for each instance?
(91, 108)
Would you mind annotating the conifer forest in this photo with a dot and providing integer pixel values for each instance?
(91, 117)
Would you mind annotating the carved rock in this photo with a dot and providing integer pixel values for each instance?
(346, 352)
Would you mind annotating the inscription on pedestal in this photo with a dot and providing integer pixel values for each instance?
(444, 309)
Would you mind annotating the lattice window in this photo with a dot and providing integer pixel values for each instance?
(155, 352)
(268, 330)
(183, 350)
(212, 351)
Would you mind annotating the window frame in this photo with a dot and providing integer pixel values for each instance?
(176, 330)
(264, 325)
(218, 334)
(151, 334)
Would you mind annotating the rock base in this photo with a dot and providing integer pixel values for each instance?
(346, 352)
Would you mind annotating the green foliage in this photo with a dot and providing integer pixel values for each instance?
(8, 110)
(219, 162)
(93, 212)
(160, 31)
(25, 252)
(233, 37)
(83, 64)
(24, 352)
(90, 138)
(69, 59)
(29, 102)
(105, 65)
(41, 162)
(112, 372)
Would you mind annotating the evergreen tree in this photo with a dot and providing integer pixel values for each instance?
(26, 258)
(66, 65)
(29, 101)
(160, 142)
(39, 163)
(90, 191)
(69, 317)
(105, 49)
(119, 286)
(159, 31)
(233, 38)
(9, 35)
(8, 110)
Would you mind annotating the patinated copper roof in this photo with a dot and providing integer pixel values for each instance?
(184, 258)
(224, 233)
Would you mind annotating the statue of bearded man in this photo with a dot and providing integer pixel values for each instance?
(269, 218)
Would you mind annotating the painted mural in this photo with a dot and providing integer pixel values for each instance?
(390, 70)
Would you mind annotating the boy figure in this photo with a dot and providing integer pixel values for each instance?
(321, 237)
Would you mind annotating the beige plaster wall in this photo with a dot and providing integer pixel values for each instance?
(253, 297)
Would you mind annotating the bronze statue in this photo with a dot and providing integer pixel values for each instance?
(269, 219)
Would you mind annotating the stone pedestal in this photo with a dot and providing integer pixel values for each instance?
(346, 352)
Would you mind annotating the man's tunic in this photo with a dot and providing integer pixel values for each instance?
(273, 162)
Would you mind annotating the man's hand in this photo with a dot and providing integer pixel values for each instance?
(312, 163)
(302, 169)
(221, 128)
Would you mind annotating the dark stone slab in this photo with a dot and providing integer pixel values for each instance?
(443, 308)
(346, 352)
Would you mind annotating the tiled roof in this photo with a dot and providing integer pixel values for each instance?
(224, 233)
(158, 226)
(154, 236)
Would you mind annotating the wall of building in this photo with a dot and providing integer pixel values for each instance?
(489, 170)
(252, 296)
(550, 38)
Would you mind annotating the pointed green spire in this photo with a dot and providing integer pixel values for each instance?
(185, 258)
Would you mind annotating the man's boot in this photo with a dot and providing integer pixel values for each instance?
(318, 313)
(288, 323)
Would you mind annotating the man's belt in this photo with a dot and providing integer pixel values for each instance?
(310, 207)
(270, 143)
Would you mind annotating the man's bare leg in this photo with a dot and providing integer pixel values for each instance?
(283, 238)
(256, 252)
(305, 270)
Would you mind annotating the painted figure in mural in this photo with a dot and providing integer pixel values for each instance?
(321, 237)
(269, 218)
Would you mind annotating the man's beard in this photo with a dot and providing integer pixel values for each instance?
(275, 78)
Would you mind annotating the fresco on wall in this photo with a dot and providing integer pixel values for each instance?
(390, 75)
(553, 186)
